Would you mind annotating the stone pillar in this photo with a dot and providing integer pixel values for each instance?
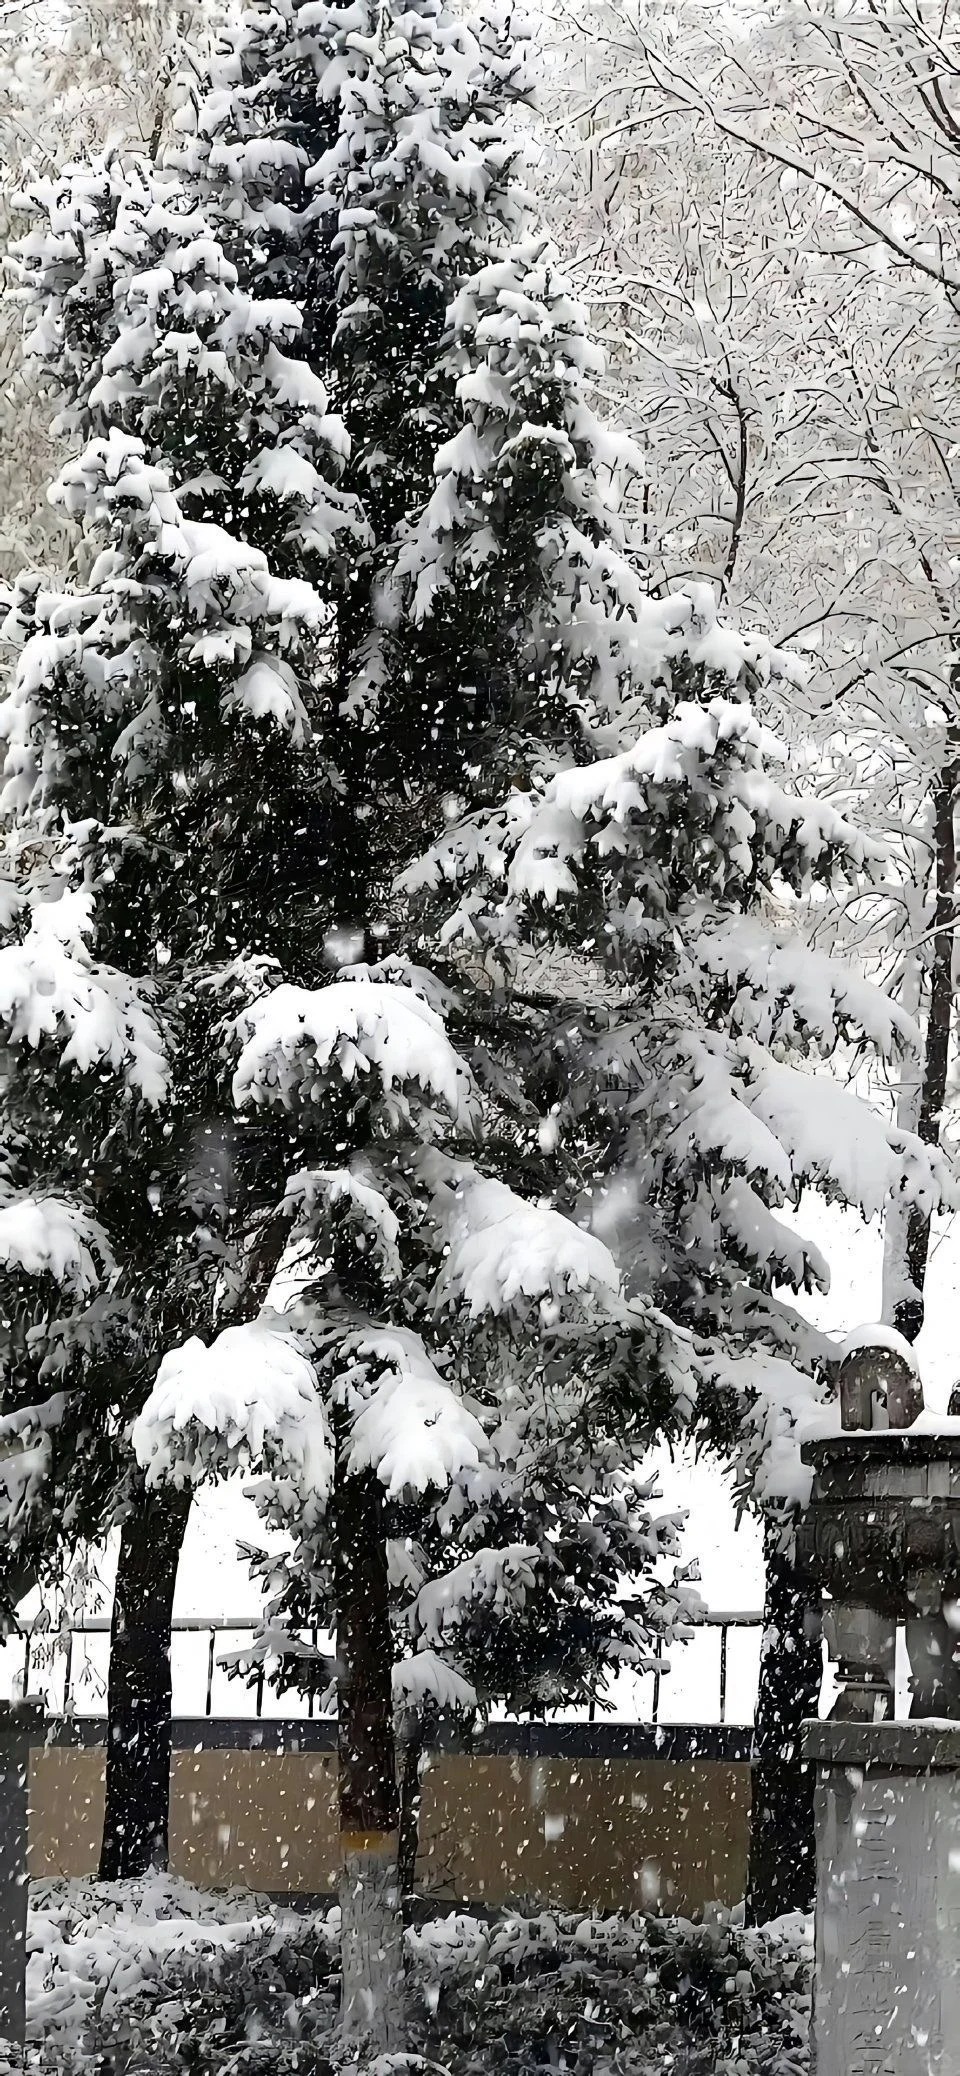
(882, 1535)
(21, 1724)
(887, 1979)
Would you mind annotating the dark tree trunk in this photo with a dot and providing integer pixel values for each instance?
(411, 1759)
(908, 1311)
(369, 1800)
(782, 1869)
(370, 1904)
(139, 1692)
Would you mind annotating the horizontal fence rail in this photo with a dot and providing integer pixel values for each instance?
(62, 1646)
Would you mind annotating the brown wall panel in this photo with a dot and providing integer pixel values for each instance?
(266, 1819)
(583, 1832)
(66, 1810)
(617, 1834)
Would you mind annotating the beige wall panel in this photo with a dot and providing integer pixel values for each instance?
(66, 1810)
(267, 1819)
(619, 1834)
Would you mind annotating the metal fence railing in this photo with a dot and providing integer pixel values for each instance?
(717, 1619)
(34, 1640)
(726, 1623)
(58, 1662)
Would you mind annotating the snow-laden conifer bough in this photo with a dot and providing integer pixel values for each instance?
(434, 1240)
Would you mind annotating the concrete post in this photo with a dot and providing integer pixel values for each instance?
(887, 1979)
(21, 1724)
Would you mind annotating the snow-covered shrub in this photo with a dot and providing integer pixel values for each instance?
(161, 1979)
(93, 1947)
(263, 2006)
(615, 1996)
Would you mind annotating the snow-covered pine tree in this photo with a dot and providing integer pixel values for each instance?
(158, 824)
(587, 862)
(534, 1579)
(124, 343)
(169, 806)
(656, 888)
(620, 993)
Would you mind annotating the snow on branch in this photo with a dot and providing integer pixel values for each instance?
(316, 1196)
(503, 1253)
(775, 989)
(407, 1425)
(618, 805)
(738, 1112)
(766, 1242)
(251, 1396)
(837, 1143)
(492, 1582)
(51, 988)
(428, 1678)
(378, 1037)
(26, 1453)
(708, 764)
(271, 1394)
(46, 1236)
(112, 481)
(783, 1407)
(714, 1126)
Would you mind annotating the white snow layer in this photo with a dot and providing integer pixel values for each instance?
(504, 1253)
(256, 1395)
(51, 988)
(413, 1430)
(879, 1336)
(45, 1236)
(213, 1406)
(293, 1037)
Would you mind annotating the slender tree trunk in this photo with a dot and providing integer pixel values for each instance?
(897, 1215)
(411, 1762)
(371, 1934)
(908, 1308)
(139, 1690)
(782, 1869)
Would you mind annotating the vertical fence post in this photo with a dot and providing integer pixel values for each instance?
(724, 1633)
(211, 1659)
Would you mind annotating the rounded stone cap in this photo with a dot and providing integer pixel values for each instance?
(879, 1380)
